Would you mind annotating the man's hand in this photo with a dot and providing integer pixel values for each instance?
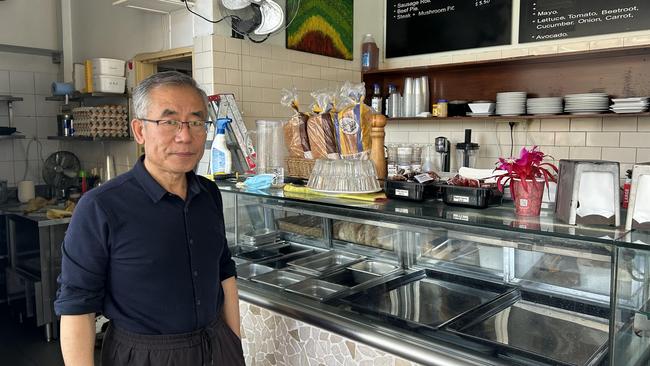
(78, 339)
(231, 304)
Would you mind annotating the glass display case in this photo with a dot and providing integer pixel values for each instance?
(528, 291)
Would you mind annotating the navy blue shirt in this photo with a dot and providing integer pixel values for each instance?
(148, 260)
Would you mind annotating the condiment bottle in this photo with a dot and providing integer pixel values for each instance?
(442, 108)
(376, 100)
(369, 54)
(626, 189)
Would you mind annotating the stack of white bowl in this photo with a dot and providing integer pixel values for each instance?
(586, 103)
(550, 105)
(511, 103)
(629, 105)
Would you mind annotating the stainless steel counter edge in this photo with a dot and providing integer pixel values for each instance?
(393, 341)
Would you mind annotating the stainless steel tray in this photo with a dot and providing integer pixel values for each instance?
(259, 236)
(426, 298)
(316, 289)
(348, 277)
(249, 270)
(283, 261)
(239, 261)
(326, 262)
(551, 334)
(374, 267)
(280, 278)
(263, 253)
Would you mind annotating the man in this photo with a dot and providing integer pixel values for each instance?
(148, 248)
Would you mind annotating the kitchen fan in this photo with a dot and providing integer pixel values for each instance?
(61, 170)
(253, 17)
(250, 18)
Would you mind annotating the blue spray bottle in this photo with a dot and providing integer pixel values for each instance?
(221, 159)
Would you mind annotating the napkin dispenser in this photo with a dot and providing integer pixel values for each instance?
(638, 211)
(588, 192)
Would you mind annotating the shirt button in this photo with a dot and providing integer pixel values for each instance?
(191, 241)
(198, 302)
(196, 273)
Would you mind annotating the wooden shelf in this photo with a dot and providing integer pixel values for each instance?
(525, 116)
(88, 138)
(619, 72)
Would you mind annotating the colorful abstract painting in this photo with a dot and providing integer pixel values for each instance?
(322, 27)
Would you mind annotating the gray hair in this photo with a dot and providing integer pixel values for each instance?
(166, 78)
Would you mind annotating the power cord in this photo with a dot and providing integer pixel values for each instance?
(234, 17)
(512, 138)
(209, 20)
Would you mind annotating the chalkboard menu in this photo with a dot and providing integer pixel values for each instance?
(415, 27)
(541, 20)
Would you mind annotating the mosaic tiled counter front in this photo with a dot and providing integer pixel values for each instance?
(269, 338)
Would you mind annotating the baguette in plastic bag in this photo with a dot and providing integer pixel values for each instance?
(320, 127)
(295, 130)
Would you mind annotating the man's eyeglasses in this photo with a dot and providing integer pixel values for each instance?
(173, 126)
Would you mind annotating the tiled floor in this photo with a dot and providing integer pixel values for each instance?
(24, 344)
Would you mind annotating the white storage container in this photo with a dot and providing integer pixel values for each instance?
(109, 84)
(108, 66)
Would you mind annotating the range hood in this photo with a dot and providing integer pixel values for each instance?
(154, 6)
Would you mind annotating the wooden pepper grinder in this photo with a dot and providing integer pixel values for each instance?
(377, 135)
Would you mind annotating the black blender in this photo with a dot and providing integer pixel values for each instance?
(467, 152)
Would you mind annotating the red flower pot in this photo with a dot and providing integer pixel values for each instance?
(528, 202)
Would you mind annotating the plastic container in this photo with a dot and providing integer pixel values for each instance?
(369, 53)
(108, 66)
(109, 84)
(413, 191)
(470, 196)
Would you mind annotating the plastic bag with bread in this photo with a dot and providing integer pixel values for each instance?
(320, 126)
(354, 121)
(295, 130)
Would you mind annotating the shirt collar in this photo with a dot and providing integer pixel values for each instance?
(154, 190)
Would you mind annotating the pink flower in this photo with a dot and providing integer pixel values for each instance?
(528, 166)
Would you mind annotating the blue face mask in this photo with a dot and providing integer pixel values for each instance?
(260, 181)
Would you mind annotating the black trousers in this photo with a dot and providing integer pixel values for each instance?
(216, 344)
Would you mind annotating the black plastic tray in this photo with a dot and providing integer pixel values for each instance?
(413, 191)
(471, 196)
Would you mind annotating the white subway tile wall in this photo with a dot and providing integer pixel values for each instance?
(560, 138)
(29, 77)
(256, 74)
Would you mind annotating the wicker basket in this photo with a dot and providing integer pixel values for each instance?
(299, 167)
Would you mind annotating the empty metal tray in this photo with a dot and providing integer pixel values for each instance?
(552, 334)
(259, 237)
(283, 261)
(349, 278)
(268, 252)
(280, 278)
(246, 271)
(426, 298)
(374, 267)
(326, 262)
(316, 289)
(239, 261)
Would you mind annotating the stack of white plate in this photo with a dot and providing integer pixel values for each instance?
(551, 105)
(629, 105)
(586, 103)
(511, 103)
